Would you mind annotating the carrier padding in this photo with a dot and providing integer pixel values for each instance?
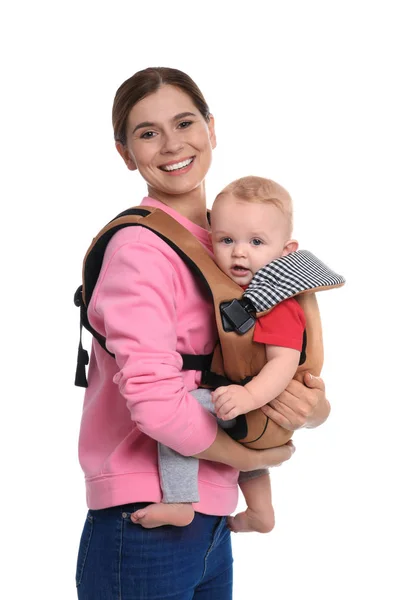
(240, 357)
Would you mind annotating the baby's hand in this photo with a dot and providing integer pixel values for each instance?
(231, 401)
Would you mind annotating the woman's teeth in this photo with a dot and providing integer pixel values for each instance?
(177, 166)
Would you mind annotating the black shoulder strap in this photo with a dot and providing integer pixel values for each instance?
(91, 270)
(94, 258)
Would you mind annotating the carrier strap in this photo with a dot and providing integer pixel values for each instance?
(196, 362)
(196, 257)
(237, 357)
(191, 362)
(82, 361)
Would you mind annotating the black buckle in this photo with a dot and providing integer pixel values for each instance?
(236, 316)
(78, 298)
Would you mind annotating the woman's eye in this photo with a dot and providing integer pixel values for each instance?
(148, 135)
(185, 124)
(256, 242)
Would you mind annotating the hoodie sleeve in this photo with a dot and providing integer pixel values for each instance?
(135, 304)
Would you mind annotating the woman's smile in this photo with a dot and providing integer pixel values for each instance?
(178, 167)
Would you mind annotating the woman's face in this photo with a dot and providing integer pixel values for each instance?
(169, 142)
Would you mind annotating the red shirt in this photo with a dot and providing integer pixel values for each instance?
(283, 326)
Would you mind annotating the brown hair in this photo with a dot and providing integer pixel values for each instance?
(259, 189)
(144, 83)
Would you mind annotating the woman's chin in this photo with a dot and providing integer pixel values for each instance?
(182, 187)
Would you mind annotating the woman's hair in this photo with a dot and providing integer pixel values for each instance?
(146, 82)
(259, 189)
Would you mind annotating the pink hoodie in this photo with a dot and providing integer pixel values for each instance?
(150, 308)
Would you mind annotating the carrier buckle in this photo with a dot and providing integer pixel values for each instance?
(236, 316)
(78, 298)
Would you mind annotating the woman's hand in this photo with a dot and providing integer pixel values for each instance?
(300, 405)
(225, 450)
(261, 459)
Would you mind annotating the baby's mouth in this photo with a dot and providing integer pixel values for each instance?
(239, 270)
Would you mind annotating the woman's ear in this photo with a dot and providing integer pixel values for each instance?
(290, 246)
(127, 158)
(211, 130)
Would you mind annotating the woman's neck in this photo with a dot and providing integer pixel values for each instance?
(191, 205)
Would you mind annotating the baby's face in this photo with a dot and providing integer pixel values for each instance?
(246, 236)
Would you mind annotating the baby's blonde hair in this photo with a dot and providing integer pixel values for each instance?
(260, 189)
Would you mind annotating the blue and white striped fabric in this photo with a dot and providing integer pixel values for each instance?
(287, 276)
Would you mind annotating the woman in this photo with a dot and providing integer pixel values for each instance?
(150, 309)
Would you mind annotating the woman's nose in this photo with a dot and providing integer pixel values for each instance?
(172, 143)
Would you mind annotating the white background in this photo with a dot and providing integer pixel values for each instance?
(307, 93)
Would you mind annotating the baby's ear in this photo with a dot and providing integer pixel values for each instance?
(290, 246)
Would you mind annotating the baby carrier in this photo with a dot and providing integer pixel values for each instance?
(236, 357)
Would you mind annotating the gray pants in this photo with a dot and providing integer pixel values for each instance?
(179, 474)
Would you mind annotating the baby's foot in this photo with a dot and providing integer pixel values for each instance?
(250, 520)
(156, 515)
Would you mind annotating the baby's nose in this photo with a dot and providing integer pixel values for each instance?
(239, 250)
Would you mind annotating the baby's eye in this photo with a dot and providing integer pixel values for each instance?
(256, 242)
(148, 135)
(226, 240)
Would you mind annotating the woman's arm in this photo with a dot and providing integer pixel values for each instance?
(225, 450)
(300, 405)
(135, 305)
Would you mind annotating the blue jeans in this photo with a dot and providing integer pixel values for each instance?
(119, 560)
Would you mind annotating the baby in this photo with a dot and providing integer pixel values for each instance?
(251, 223)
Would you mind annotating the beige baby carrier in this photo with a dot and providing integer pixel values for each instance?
(236, 357)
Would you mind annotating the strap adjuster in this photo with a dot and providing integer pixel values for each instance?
(237, 315)
(78, 298)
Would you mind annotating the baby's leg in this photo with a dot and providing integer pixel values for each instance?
(179, 484)
(259, 515)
